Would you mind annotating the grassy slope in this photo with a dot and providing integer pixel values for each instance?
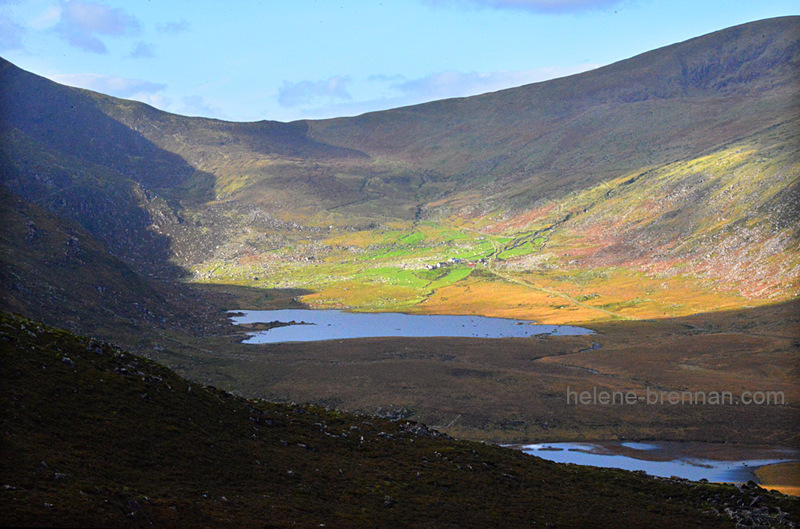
(679, 163)
(669, 241)
(686, 218)
(550, 138)
(95, 436)
(696, 217)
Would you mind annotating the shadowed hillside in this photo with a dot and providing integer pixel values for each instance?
(94, 436)
(54, 270)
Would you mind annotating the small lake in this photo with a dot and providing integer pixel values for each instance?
(693, 461)
(312, 325)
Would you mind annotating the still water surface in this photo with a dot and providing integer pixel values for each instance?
(666, 459)
(312, 325)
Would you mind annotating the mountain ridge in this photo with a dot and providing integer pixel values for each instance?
(694, 67)
(678, 70)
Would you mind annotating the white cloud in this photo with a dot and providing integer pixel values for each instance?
(47, 19)
(309, 92)
(107, 84)
(540, 6)
(173, 28)
(98, 18)
(383, 77)
(142, 50)
(82, 21)
(82, 41)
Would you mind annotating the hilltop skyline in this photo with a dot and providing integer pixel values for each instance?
(310, 60)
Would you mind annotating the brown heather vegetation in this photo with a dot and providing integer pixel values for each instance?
(95, 436)
(514, 390)
(654, 201)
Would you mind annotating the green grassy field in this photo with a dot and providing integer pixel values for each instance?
(660, 242)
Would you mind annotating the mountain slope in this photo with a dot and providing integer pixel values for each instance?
(54, 270)
(680, 162)
(729, 217)
(94, 436)
(520, 144)
(548, 138)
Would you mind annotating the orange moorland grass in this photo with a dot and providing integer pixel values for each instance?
(353, 294)
(784, 477)
(578, 297)
(504, 299)
(637, 295)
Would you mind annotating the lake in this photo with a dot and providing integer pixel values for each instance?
(312, 325)
(693, 461)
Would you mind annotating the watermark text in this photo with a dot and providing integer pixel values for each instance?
(654, 396)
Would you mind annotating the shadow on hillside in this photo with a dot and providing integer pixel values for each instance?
(239, 297)
(62, 152)
(776, 319)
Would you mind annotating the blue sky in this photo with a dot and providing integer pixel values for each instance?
(285, 60)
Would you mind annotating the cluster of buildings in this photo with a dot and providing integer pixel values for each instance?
(454, 260)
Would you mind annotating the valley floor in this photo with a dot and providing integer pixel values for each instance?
(516, 389)
(95, 436)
